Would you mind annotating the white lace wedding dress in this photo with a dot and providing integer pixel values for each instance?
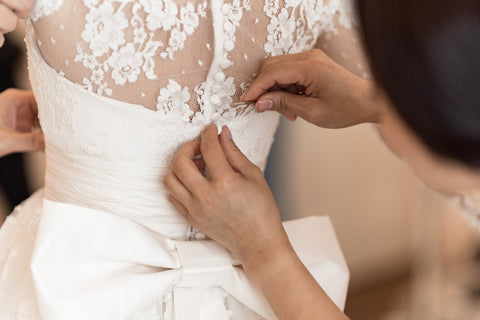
(121, 84)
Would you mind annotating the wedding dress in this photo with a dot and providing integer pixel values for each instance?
(121, 85)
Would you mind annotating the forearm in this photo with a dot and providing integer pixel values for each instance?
(289, 287)
(434, 171)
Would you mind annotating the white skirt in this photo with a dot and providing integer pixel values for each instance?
(62, 261)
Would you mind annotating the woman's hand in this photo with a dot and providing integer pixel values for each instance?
(19, 123)
(316, 89)
(234, 206)
(10, 12)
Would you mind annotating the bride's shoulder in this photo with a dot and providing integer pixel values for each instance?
(325, 7)
(135, 50)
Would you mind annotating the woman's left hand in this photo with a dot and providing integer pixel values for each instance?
(19, 129)
(234, 206)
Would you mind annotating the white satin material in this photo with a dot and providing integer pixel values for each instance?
(109, 243)
(133, 188)
(91, 264)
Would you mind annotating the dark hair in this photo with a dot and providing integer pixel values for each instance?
(426, 55)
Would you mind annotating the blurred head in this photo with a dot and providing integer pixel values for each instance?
(426, 55)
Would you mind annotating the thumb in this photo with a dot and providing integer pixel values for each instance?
(237, 160)
(289, 104)
(12, 142)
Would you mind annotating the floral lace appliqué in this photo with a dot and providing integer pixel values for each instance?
(173, 101)
(214, 95)
(108, 50)
(297, 25)
(233, 14)
(45, 8)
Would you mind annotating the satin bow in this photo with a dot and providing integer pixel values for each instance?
(90, 264)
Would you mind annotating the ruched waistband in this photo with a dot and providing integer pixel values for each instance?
(133, 189)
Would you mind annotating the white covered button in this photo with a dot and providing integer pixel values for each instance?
(215, 117)
(216, 88)
(225, 64)
(215, 99)
(229, 45)
(228, 26)
(219, 76)
(200, 236)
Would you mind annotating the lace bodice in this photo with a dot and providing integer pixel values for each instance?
(140, 51)
(122, 84)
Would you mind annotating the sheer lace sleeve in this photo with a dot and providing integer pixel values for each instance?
(344, 44)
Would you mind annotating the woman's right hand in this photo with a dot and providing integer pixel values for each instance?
(234, 206)
(332, 96)
(10, 12)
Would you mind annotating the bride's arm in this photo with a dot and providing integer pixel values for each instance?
(252, 229)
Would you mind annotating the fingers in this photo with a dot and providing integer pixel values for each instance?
(18, 110)
(8, 19)
(180, 208)
(22, 8)
(290, 105)
(234, 156)
(177, 189)
(27, 111)
(185, 168)
(213, 154)
(281, 71)
(27, 99)
(12, 142)
(290, 117)
(199, 163)
(282, 74)
(10, 11)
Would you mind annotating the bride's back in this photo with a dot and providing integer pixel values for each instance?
(148, 51)
(122, 84)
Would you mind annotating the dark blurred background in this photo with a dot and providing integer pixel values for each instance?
(13, 180)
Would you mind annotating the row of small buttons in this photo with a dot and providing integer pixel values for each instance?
(219, 77)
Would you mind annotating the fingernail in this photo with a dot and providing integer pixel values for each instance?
(264, 104)
(289, 117)
(227, 132)
(211, 125)
(242, 97)
(219, 129)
